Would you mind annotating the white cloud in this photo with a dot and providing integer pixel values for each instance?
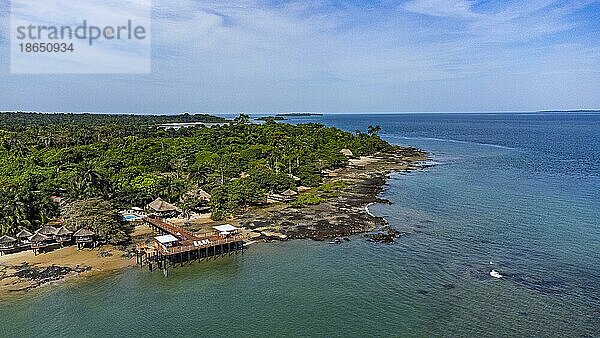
(442, 8)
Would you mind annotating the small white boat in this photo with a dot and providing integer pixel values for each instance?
(495, 274)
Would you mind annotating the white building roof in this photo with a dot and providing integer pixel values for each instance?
(166, 239)
(225, 228)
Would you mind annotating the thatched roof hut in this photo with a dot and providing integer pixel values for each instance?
(203, 195)
(6, 240)
(38, 238)
(286, 196)
(289, 193)
(48, 230)
(83, 232)
(84, 237)
(40, 242)
(197, 194)
(197, 200)
(64, 235)
(159, 205)
(64, 232)
(24, 235)
(7, 244)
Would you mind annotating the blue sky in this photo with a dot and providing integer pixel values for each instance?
(341, 56)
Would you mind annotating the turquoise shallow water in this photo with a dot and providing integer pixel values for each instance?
(518, 190)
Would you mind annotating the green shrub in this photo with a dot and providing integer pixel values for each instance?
(304, 200)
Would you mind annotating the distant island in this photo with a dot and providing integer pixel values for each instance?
(271, 118)
(300, 114)
(571, 111)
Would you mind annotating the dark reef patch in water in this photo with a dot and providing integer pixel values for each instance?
(545, 286)
(449, 286)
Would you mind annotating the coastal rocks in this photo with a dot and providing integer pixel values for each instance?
(38, 276)
(105, 254)
(385, 234)
(343, 211)
(265, 235)
(273, 236)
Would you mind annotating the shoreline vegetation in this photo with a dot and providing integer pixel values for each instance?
(54, 167)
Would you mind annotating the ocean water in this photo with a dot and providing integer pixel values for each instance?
(514, 192)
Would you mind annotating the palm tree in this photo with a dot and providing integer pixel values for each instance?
(88, 182)
(16, 215)
(242, 119)
(373, 130)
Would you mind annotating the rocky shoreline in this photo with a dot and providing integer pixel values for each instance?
(28, 277)
(344, 211)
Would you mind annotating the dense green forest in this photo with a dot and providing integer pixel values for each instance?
(129, 160)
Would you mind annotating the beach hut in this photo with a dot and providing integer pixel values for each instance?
(347, 152)
(23, 238)
(39, 242)
(197, 199)
(64, 235)
(289, 195)
(48, 231)
(7, 244)
(84, 237)
(286, 196)
(162, 208)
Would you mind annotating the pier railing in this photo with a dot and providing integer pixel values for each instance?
(188, 246)
(170, 229)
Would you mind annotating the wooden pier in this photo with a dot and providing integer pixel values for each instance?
(179, 246)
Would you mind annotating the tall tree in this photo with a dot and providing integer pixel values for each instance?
(98, 216)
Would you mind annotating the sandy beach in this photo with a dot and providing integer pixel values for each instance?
(24, 271)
